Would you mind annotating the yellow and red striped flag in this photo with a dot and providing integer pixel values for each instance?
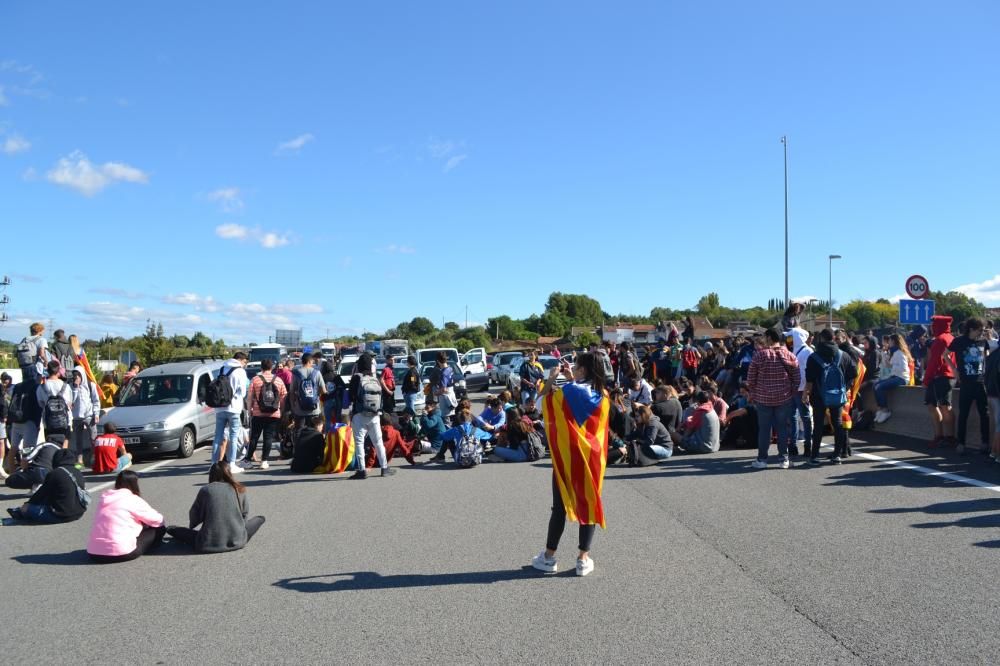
(852, 394)
(338, 454)
(576, 424)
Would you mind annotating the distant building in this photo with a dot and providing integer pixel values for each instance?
(290, 337)
(815, 322)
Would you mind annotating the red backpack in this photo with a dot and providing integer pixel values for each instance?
(690, 358)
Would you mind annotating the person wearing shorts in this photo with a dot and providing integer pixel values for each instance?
(939, 380)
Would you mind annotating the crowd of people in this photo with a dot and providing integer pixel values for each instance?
(783, 388)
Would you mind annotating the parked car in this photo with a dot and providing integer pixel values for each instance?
(163, 410)
(501, 366)
(346, 368)
(463, 384)
(474, 361)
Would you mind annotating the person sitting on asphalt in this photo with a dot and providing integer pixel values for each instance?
(125, 525)
(652, 442)
(492, 418)
(410, 432)
(701, 426)
(432, 425)
(35, 465)
(667, 407)
(393, 442)
(450, 438)
(221, 509)
(518, 441)
(311, 447)
(640, 392)
(741, 422)
(110, 454)
(57, 500)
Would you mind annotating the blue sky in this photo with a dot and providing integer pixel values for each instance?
(232, 167)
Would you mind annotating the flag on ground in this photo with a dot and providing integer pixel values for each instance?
(338, 454)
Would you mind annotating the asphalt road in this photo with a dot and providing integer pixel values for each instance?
(703, 561)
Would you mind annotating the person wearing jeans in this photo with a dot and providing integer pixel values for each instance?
(900, 362)
(227, 418)
(773, 380)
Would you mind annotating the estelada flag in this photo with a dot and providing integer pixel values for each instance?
(852, 394)
(576, 424)
(338, 454)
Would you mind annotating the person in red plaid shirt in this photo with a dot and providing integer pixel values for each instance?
(773, 380)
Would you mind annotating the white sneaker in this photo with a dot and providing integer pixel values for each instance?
(584, 567)
(236, 469)
(784, 464)
(759, 464)
(882, 416)
(265, 465)
(546, 564)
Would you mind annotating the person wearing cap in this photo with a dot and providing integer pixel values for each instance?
(57, 500)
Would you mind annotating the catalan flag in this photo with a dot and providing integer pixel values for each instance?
(852, 394)
(576, 424)
(338, 454)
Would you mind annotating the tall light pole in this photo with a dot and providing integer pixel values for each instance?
(832, 257)
(784, 144)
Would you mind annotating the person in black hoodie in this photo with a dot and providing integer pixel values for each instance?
(57, 500)
(827, 352)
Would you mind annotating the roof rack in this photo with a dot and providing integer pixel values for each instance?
(204, 358)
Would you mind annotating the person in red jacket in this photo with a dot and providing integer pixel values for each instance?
(939, 380)
(394, 443)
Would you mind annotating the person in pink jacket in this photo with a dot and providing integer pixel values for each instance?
(125, 526)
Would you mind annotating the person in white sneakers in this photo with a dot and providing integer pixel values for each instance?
(900, 363)
(366, 405)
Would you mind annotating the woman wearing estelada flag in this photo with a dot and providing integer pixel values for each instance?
(576, 424)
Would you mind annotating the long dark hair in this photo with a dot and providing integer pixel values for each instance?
(517, 427)
(128, 479)
(594, 374)
(220, 472)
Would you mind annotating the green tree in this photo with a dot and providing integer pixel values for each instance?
(476, 335)
(554, 323)
(180, 341)
(956, 304)
(451, 327)
(199, 339)
(574, 310)
(586, 339)
(421, 326)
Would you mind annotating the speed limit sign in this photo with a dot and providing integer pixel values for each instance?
(917, 287)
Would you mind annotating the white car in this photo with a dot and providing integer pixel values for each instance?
(346, 367)
(474, 362)
(501, 366)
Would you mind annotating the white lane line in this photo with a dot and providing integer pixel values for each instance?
(927, 471)
(107, 484)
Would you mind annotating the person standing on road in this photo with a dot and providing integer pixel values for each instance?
(991, 380)
(970, 351)
(773, 380)
(443, 387)
(800, 347)
(221, 509)
(24, 417)
(531, 374)
(939, 380)
(411, 384)
(576, 421)
(56, 419)
(86, 410)
(267, 395)
(387, 379)
(829, 373)
(366, 405)
(125, 525)
(227, 417)
(308, 388)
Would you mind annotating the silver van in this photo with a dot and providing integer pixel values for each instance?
(163, 410)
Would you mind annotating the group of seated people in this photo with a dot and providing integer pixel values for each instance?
(125, 525)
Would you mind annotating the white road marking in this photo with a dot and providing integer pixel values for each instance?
(107, 484)
(931, 472)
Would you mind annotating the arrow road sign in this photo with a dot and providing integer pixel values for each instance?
(915, 312)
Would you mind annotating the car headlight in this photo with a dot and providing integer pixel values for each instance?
(156, 425)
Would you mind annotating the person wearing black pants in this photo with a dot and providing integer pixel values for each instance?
(973, 392)
(557, 523)
(971, 350)
(828, 358)
(148, 539)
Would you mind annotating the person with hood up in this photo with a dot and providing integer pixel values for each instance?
(939, 380)
(822, 392)
(800, 347)
(57, 500)
(86, 406)
(125, 525)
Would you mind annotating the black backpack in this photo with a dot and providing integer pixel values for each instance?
(220, 391)
(56, 414)
(16, 411)
(267, 399)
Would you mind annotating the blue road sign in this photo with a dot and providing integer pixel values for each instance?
(915, 312)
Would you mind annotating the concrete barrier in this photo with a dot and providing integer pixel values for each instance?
(910, 417)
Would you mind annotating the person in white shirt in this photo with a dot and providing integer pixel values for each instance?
(640, 392)
(802, 350)
(227, 419)
(899, 363)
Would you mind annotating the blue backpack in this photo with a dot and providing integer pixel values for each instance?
(832, 383)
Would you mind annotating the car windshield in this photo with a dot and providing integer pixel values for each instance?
(399, 371)
(548, 363)
(506, 359)
(157, 390)
(346, 369)
(258, 354)
(427, 368)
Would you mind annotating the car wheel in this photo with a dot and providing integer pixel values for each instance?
(186, 446)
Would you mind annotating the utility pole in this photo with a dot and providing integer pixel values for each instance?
(784, 144)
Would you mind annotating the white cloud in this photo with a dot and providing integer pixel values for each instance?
(267, 239)
(29, 174)
(294, 145)
(232, 231)
(77, 172)
(197, 301)
(453, 162)
(230, 199)
(115, 291)
(396, 249)
(271, 240)
(805, 299)
(986, 292)
(247, 308)
(279, 309)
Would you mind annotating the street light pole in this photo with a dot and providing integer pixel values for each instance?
(832, 257)
(784, 144)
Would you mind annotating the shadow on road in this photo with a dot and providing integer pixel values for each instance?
(978, 506)
(72, 558)
(370, 580)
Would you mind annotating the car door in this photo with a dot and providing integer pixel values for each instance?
(474, 361)
(206, 415)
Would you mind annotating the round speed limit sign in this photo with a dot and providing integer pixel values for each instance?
(917, 287)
